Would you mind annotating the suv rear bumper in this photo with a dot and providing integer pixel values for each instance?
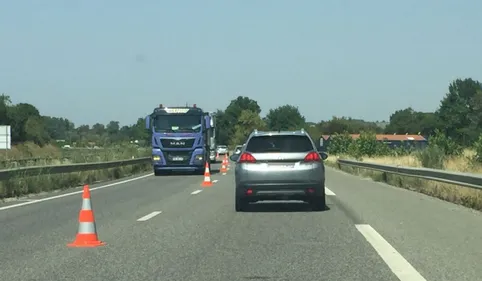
(280, 191)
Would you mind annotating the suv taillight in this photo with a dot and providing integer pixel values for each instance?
(246, 158)
(312, 157)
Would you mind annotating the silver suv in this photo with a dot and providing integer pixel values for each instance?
(280, 166)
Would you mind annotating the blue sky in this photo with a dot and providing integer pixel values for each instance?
(95, 61)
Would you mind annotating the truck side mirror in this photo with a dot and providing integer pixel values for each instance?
(148, 122)
(208, 121)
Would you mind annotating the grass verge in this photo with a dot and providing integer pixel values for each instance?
(20, 186)
(51, 155)
(29, 154)
(468, 197)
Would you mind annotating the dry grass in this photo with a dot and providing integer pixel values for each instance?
(468, 197)
(457, 164)
(51, 155)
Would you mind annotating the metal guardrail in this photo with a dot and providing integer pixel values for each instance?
(66, 155)
(456, 178)
(69, 168)
(37, 159)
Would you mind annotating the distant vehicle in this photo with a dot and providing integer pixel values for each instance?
(222, 149)
(238, 149)
(180, 138)
(280, 166)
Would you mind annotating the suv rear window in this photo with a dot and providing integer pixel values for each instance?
(284, 144)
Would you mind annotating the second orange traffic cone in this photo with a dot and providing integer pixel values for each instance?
(87, 232)
(224, 168)
(207, 177)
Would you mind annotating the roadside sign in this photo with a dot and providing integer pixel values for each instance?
(5, 137)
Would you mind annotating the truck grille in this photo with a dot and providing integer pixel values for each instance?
(177, 143)
(174, 158)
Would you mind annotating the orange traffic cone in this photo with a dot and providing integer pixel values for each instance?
(207, 177)
(224, 169)
(226, 158)
(87, 232)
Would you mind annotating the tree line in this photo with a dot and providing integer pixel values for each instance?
(458, 118)
(27, 124)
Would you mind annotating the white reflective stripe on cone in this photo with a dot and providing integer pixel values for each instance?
(86, 205)
(86, 228)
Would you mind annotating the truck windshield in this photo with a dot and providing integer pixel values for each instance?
(177, 123)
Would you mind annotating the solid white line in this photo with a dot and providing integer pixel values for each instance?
(150, 216)
(395, 261)
(329, 192)
(215, 181)
(196, 192)
(71, 193)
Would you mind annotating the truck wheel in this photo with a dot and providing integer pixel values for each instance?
(157, 173)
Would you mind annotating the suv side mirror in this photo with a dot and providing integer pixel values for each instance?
(234, 157)
(323, 155)
(320, 143)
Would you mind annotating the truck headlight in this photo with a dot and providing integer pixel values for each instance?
(156, 157)
(199, 157)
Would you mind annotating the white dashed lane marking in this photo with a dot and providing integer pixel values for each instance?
(149, 216)
(329, 192)
(196, 192)
(395, 261)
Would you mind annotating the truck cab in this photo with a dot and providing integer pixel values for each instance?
(180, 139)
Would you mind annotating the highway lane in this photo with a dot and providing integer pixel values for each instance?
(198, 236)
(440, 239)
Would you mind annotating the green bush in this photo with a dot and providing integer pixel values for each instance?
(364, 146)
(432, 157)
(339, 144)
(446, 144)
(477, 158)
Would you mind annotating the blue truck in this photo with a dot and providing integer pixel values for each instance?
(181, 138)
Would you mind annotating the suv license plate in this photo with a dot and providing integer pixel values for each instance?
(177, 158)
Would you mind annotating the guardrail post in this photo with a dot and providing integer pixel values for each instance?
(385, 177)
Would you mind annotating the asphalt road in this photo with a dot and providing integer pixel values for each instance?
(370, 232)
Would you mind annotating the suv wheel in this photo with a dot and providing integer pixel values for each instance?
(240, 205)
(319, 203)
